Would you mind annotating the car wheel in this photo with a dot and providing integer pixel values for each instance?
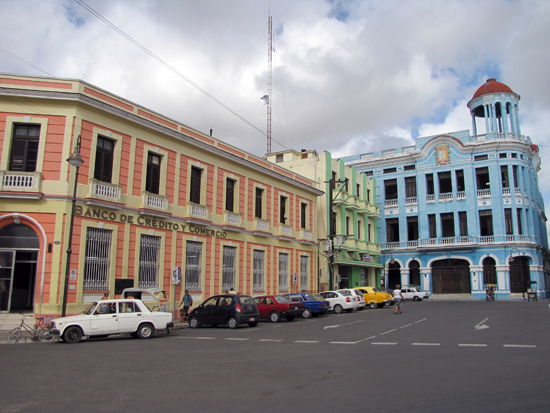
(193, 322)
(415, 298)
(145, 330)
(338, 308)
(307, 313)
(290, 317)
(253, 324)
(72, 335)
(373, 305)
(233, 323)
(275, 316)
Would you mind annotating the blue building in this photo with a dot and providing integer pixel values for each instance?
(462, 212)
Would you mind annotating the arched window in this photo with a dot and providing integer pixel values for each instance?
(489, 271)
(414, 273)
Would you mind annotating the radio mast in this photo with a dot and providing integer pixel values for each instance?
(269, 78)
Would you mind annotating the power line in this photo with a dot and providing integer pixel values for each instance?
(23, 61)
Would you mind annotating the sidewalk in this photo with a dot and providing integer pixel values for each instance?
(26, 338)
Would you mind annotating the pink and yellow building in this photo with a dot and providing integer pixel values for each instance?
(157, 202)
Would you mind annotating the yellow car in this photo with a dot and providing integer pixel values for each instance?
(374, 297)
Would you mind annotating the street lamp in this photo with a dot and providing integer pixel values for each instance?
(511, 256)
(75, 160)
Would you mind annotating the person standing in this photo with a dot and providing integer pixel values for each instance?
(186, 301)
(398, 297)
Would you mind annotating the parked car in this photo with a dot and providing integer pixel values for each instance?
(374, 297)
(107, 317)
(313, 306)
(276, 306)
(414, 293)
(339, 302)
(356, 296)
(154, 299)
(226, 309)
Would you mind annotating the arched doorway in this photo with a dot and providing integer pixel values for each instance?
(19, 246)
(520, 275)
(451, 276)
(414, 273)
(394, 275)
(489, 271)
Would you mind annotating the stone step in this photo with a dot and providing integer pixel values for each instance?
(453, 297)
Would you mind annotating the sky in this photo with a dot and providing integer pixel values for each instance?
(348, 76)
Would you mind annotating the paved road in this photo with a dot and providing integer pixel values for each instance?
(436, 356)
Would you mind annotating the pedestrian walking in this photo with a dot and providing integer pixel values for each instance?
(398, 297)
(186, 301)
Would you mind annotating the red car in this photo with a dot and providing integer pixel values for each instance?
(276, 306)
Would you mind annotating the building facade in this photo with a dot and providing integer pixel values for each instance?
(157, 204)
(462, 212)
(346, 218)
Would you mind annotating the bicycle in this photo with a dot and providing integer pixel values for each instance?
(40, 332)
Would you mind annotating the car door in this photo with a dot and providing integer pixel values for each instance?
(205, 312)
(265, 306)
(223, 309)
(129, 316)
(105, 319)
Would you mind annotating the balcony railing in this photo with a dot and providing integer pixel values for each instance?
(197, 211)
(411, 201)
(446, 197)
(20, 181)
(430, 199)
(104, 190)
(231, 218)
(446, 242)
(154, 201)
(506, 192)
(285, 230)
(261, 224)
(306, 234)
(391, 203)
(484, 193)
(461, 196)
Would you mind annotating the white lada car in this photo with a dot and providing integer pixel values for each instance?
(106, 317)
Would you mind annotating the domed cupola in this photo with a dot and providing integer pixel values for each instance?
(498, 105)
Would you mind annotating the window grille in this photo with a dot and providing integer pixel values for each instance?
(259, 257)
(229, 267)
(98, 259)
(304, 261)
(283, 272)
(149, 264)
(193, 265)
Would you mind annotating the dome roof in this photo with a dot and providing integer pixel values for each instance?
(492, 86)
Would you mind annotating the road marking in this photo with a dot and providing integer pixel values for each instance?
(306, 341)
(368, 338)
(236, 339)
(384, 344)
(425, 344)
(481, 326)
(386, 332)
(198, 338)
(406, 326)
(520, 345)
(472, 345)
(342, 325)
(270, 339)
(419, 321)
(344, 342)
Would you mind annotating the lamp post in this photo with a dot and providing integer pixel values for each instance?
(511, 256)
(75, 160)
(332, 226)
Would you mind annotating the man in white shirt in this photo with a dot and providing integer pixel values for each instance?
(398, 298)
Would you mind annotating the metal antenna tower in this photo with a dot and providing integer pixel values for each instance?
(269, 79)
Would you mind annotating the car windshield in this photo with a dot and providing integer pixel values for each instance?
(295, 298)
(90, 309)
(282, 299)
(319, 296)
(310, 297)
(245, 299)
(346, 293)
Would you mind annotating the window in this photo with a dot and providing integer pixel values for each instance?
(149, 263)
(347, 226)
(369, 232)
(230, 195)
(412, 228)
(304, 272)
(258, 270)
(369, 173)
(390, 186)
(460, 180)
(392, 229)
(358, 191)
(515, 174)
(259, 197)
(448, 225)
(24, 148)
(482, 178)
(152, 181)
(359, 225)
(409, 167)
(463, 223)
(480, 158)
(410, 187)
(193, 265)
(229, 267)
(104, 159)
(282, 209)
(431, 225)
(279, 158)
(520, 228)
(195, 189)
(502, 155)
(486, 223)
(303, 215)
(445, 184)
(504, 176)
(514, 155)
(509, 224)
(368, 195)
(283, 272)
(390, 170)
(98, 259)
(429, 184)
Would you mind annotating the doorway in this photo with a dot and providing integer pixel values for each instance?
(451, 277)
(520, 275)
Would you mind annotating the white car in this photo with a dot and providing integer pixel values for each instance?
(357, 296)
(414, 294)
(106, 317)
(340, 302)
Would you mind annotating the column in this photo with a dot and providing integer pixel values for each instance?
(474, 126)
